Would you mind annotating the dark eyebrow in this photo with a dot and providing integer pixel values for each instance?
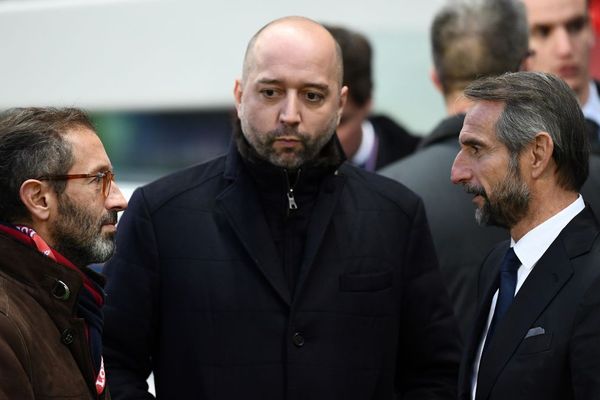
(472, 142)
(320, 86)
(267, 81)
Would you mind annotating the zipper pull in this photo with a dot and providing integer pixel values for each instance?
(291, 200)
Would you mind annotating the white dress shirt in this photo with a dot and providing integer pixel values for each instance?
(530, 248)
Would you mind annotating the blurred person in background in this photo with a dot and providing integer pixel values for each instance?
(58, 214)
(469, 39)
(369, 141)
(278, 271)
(561, 38)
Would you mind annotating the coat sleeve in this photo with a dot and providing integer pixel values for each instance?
(131, 302)
(429, 343)
(585, 346)
(14, 376)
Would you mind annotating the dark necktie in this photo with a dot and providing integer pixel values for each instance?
(508, 283)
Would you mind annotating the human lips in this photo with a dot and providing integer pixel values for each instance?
(568, 71)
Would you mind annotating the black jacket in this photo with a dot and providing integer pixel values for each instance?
(460, 243)
(198, 294)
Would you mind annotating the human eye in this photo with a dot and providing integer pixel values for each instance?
(541, 31)
(269, 93)
(576, 25)
(97, 178)
(313, 96)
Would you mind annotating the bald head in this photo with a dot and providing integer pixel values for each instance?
(297, 33)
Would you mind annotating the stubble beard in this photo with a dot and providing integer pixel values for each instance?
(289, 158)
(508, 204)
(78, 235)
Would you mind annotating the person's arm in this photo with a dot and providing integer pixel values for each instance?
(429, 343)
(130, 312)
(585, 346)
(14, 379)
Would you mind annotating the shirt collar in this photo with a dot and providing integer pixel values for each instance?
(534, 244)
(591, 108)
(366, 143)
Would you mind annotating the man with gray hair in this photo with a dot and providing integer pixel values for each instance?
(524, 158)
(469, 39)
(58, 211)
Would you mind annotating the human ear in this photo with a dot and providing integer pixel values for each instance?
(342, 103)
(541, 151)
(237, 95)
(37, 198)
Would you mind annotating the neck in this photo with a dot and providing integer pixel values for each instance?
(541, 208)
(583, 94)
(456, 103)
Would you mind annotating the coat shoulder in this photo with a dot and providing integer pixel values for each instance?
(197, 179)
(381, 190)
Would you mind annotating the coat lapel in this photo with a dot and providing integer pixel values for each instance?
(546, 280)
(241, 206)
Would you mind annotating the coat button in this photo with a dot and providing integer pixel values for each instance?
(298, 339)
(61, 291)
(68, 336)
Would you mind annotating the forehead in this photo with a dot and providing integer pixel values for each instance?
(292, 54)
(554, 12)
(480, 122)
(88, 152)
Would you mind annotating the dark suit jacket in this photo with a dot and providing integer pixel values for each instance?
(197, 293)
(558, 307)
(460, 243)
(394, 141)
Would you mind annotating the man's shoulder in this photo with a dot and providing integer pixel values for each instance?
(378, 188)
(198, 178)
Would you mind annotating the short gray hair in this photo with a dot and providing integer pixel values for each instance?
(478, 38)
(539, 102)
(32, 145)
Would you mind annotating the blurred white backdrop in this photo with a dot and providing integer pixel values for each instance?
(182, 54)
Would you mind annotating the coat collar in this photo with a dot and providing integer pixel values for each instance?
(241, 205)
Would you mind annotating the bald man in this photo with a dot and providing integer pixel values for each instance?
(278, 271)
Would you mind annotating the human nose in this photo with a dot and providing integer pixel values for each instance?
(460, 171)
(115, 199)
(290, 112)
(563, 42)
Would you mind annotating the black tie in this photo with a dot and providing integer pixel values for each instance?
(508, 283)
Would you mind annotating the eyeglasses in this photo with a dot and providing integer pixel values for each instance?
(106, 176)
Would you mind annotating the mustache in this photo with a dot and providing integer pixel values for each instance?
(475, 190)
(109, 218)
(281, 131)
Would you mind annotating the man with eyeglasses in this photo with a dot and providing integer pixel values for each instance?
(58, 214)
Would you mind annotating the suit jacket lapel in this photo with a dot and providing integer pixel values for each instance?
(243, 210)
(488, 286)
(549, 275)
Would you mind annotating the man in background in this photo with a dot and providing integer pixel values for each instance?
(58, 211)
(561, 38)
(469, 39)
(370, 142)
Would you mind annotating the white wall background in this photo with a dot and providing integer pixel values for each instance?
(160, 54)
